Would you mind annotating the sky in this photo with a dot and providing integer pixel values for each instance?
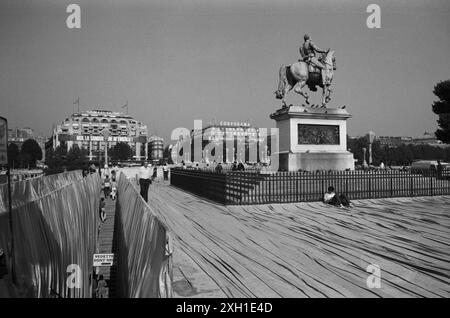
(176, 61)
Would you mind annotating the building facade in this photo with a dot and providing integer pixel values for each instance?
(156, 148)
(19, 135)
(425, 139)
(93, 130)
(225, 142)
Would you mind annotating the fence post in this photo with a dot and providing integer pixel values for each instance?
(323, 182)
(431, 185)
(392, 190)
(346, 185)
(240, 187)
(411, 185)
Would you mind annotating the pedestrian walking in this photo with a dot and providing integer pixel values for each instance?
(101, 291)
(107, 186)
(144, 179)
(166, 172)
(155, 173)
(102, 210)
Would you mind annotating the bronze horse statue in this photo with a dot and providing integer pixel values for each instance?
(299, 74)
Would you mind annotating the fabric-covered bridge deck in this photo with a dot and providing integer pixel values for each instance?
(312, 249)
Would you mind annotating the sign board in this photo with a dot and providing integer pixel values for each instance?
(105, 133)
(100, 138)
(103, 260)
(3, 141)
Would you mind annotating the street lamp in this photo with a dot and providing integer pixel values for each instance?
(105, 133)
(371, 137)
(365, 166)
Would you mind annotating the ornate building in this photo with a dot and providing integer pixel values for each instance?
(156, 148)
(234, 141)
(87, 130)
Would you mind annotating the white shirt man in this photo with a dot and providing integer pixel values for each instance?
(328, 196)
(145, 172)
(144, 179)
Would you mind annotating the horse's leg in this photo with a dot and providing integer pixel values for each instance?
(298, 89)
(328, 97)
(287, 89)
(324, 93)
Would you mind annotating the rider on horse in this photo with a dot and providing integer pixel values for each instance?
(308, 52)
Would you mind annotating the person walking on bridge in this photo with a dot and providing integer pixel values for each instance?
(144, 178)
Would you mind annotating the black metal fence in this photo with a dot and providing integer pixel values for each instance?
(232, 187)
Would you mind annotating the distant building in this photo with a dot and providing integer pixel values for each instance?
(156, 148)
(425, 139)
(19, 135)
(393, 141)
(241, 142)
(86, 129)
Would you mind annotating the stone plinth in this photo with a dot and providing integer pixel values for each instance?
(313, 138)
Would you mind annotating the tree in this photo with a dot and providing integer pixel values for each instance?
(75, 158)
(59, 156)
(30, 153)
(167, 155)
(121, 151)
(442, 109)
(13, 155)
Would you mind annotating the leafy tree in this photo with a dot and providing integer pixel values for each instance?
(30, 153)
(121, 151)
(13, 155)
(50, 157)
(56, 159)
(167, 154)
(442, 109)
(401, 155)
(60, 156)
(75, 158)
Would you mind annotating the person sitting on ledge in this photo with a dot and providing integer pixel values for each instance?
(333, 198)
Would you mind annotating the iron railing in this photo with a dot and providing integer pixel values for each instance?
(237, 187)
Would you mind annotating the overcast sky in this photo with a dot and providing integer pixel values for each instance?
(176, 61)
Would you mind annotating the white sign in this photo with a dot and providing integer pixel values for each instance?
(3, 142)
(103, 260)
(100, 138)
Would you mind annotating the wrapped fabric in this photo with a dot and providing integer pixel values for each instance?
(144, 253)
(54, 226)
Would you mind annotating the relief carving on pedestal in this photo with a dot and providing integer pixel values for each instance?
(318, 134)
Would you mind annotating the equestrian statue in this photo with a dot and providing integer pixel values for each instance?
(315, 68)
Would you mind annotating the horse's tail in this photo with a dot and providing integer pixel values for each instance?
(282, 82)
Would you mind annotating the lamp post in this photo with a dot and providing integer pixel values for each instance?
(105, 133)
(365, 165)
(371, 137)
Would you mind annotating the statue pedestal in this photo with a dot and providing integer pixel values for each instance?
(313, 139)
